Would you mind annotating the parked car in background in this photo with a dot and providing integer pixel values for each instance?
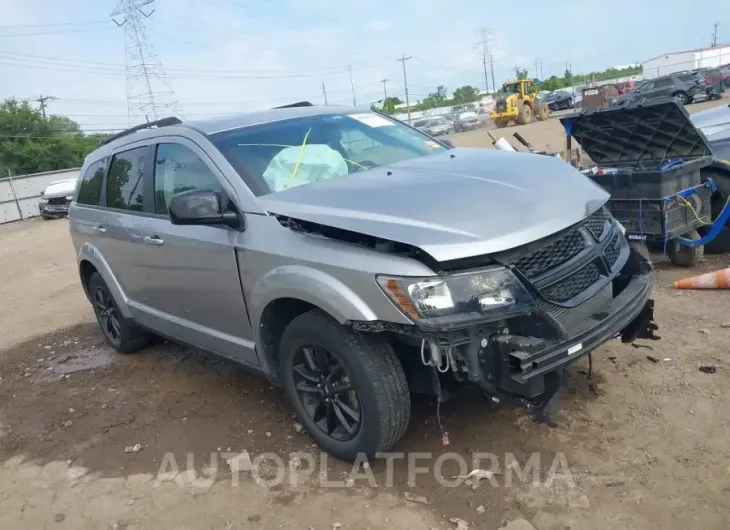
(625, 87)
(684, 86)
(434, 126)
(482, 117)
(559, 100)
(465, 121)
(714, 79)
(55, 199)
(371, 269)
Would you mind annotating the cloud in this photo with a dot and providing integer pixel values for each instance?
(380, 25)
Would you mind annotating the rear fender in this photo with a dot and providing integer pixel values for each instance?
(90, 253)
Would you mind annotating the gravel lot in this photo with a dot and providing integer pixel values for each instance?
(647, 450)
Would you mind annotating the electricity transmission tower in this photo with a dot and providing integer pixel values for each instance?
(149, 93)
(482, 46)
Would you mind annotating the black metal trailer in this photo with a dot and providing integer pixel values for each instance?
(650, 158)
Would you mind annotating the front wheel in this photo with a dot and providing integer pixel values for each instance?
(501, 124)
(525, 115)
(348, 388)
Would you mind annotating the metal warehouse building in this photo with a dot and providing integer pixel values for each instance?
(686, 60)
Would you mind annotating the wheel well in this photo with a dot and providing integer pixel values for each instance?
(275, 317)
(86, 269)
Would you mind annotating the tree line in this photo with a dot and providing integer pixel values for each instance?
(469, 94)
(32, 143)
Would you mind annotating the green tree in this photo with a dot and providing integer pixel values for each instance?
(435, 99)
(465, 94)
(30, 143)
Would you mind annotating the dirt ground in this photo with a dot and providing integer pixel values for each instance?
(647, 450)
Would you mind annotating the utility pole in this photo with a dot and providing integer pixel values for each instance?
(324, 93)
(714, 34)
(482, 46)
(403, 60)
(385, 91)
(42, 103)
(354, 100)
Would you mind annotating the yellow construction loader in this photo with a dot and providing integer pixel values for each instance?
(518, 102)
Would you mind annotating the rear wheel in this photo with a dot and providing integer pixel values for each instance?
(501, 124)
(525, 116)
(348, 388)
(122, 333)
(686, 256)
(681, 97)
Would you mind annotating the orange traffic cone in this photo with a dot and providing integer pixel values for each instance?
(711, 280)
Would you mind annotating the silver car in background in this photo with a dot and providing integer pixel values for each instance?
(56, 198)
(350, 259)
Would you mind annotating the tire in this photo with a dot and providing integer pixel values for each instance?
(681, 97)
(367, 364)
(525, 116)
(721, 243)
(47, 217)
(641, 249)
(683, 256)
(124, 336)
(543, 113)
(501, 124)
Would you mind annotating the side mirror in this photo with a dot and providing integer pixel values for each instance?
(448, 143)
(200, 207)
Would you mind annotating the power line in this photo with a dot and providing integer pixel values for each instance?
(403, 60)
(52, 32)
(48, 24)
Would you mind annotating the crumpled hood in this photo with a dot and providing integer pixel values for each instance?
(60, 188)
(478, 202)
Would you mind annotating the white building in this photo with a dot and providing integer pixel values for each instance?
(686, 60)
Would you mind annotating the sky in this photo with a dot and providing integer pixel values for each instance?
(227, 56)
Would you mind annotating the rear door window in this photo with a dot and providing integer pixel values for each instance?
(125, 182)
(91, 182)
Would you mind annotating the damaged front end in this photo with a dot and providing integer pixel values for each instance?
(584, 286)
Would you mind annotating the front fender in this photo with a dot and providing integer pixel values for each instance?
(90, 253)
(309, 285)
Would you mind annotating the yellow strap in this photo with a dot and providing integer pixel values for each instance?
(299, 158)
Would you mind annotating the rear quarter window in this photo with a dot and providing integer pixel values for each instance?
(91, 182)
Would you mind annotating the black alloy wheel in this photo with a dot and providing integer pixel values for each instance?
(326, 392)
(107, 314)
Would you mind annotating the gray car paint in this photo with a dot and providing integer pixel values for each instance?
(209, 286)
(461, 203)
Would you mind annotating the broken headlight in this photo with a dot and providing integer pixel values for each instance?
(491, 294)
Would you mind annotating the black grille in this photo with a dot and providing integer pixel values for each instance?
(597, 222)
(570, 317)
(612, 251)
(573, 285)
(58, 201)
(551, 255)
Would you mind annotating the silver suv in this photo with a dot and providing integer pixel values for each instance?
(349, 258)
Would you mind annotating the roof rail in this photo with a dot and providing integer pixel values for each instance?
(299, 104)
(164, 122)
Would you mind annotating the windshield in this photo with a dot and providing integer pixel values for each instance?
(511, 89)
(279, 155)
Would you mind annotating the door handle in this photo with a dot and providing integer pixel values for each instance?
(153, 240)
(100, 229)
